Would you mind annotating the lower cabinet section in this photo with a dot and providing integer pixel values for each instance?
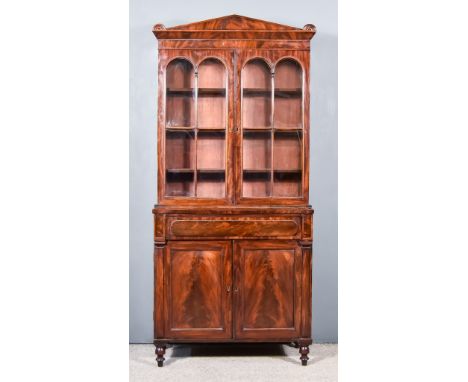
(232, 290)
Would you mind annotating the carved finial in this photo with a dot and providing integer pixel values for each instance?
(159, 27)
(309, 27)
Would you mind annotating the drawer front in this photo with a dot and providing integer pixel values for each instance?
(231, 227)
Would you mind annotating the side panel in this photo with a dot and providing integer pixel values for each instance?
(197, 289)
(158, 310)
(267, 289)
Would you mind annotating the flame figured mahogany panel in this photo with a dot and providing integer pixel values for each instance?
(269, 288)
(268, 281)
(232, 228)
(197, 281)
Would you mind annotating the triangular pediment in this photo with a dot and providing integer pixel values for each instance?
(233, 22)
(234, 27)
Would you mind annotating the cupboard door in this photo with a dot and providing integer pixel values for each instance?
(196, 128)
(197, 289)
(272, 114)
(267, 289)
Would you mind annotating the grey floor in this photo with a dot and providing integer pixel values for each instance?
(234, 362)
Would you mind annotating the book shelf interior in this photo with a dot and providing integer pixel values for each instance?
(196, 129)
(272, 129)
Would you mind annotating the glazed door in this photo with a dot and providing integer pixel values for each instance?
(272, 115)
(197, 289)
(195, 126)
(267, 289)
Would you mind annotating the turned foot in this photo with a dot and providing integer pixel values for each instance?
(304, 350)
(160, 350)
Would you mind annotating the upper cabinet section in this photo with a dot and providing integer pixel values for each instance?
(233, 113)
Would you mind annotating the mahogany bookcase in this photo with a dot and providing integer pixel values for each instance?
(233, 227)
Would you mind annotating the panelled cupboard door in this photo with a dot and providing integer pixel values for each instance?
(268, 289)
(197, 281)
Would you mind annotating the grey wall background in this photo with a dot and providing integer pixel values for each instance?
(323, 162)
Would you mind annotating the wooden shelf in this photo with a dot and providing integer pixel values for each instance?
(254, 129)
(201, 91)
(275, 170)
(211, 129)
(276, 130)
(190, 170)
(200, 129)
(256, 171)
(256, 91)
(180, 170)
(177, 129)
(292, 130)
(284, 93)
(211, 91)
(280, 92)
(211, 170)
(293, 171)
(180, 91)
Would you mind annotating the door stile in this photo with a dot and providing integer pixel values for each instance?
(237, 167)
(231, 129)
(231, 299)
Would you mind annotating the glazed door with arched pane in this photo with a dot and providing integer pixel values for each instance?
(197, 91)
(273, 131)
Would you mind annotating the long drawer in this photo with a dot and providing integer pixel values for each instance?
(232, 227)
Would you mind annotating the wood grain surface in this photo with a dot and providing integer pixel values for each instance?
(197, 277)
(232, 224)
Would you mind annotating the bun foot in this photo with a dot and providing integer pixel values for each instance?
(160, 350)
(304, 350)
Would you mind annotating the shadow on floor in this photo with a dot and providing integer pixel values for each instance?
(220, 350)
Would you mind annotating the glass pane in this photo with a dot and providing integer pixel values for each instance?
(211, 136)
(256, 95)
(256, 163)
(210, 184)
(288, 95)
(287, 143)
(287, 184)
(212, 94)
(180, 94)
(211, 159)
(210, 150)
(287, 150)
(179, 182)
(287, 164)
(180, 160)
(256, 184)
